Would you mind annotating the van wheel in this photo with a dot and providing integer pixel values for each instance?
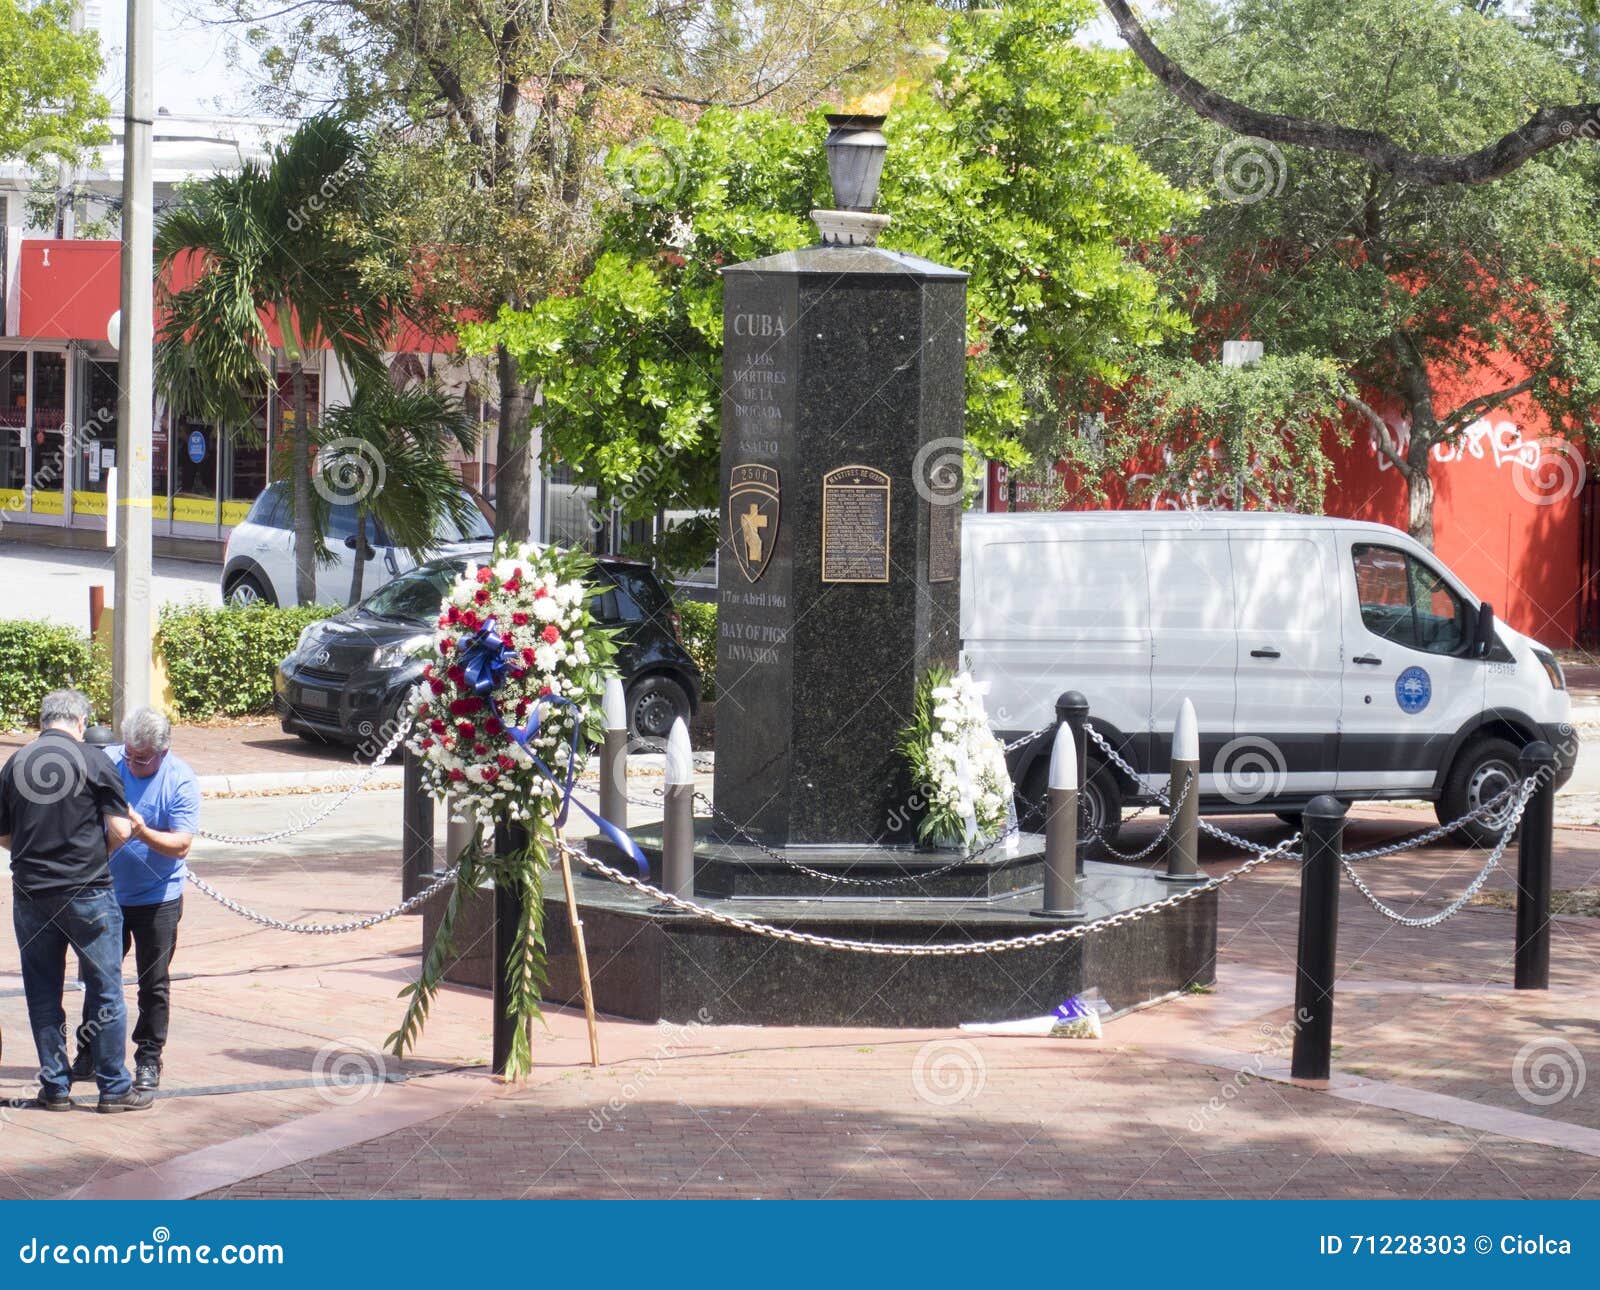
(1099, 810)
(1482, 771)
(1292, 818)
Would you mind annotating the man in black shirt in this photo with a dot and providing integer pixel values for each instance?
(62, 812)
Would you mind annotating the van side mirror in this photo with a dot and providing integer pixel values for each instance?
(1483, 632)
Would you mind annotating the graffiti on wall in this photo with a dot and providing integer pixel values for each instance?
(1543, 471)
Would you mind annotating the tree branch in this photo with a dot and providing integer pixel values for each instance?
(1472, 408)
(1382, 435)
(1547, 128)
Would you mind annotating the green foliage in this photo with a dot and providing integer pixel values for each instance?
(698, 626)
(37, 657)
(220, 660)
(50, 109)
(1001, 166)
(1245, 437)
(1324, 258)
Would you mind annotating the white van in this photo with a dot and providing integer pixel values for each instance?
(1322, 656)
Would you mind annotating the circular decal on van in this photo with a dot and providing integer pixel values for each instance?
(1413, 689)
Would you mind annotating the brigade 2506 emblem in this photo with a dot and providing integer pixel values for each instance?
(753, 517)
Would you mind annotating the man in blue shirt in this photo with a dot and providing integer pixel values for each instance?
(147, 874)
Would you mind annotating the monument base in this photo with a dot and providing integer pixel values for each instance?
(652, 965)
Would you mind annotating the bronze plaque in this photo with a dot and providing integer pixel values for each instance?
(753, 517)
(944, 539)
(855, 525)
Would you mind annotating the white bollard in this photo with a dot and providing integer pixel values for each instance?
(614, 755)
(1183, 786)
(677, 825)
(1061, 829)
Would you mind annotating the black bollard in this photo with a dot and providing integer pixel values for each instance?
(1072, 710)
(1323, 822)
(416, 837)
(508, 838)
(1538, 761)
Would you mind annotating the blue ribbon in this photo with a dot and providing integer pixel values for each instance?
(486, 659)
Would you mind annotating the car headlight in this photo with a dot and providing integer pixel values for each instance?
(400, 653)
(1552, 668)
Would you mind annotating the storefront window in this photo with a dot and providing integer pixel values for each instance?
(95, 448)
(245, 471)
(194, 499)
(13, 426)
(49, 432)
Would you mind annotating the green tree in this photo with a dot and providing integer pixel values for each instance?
(1402, 206)
(49, 106)
(502, 111)
(1001, 165)
(389, 452)
(293, 241)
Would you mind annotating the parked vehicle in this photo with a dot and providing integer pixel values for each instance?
(258, 564)
(349, 673)
(1322, 656)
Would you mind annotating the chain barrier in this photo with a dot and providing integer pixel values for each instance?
(1482, 811)
(1166, 829)
(900, 949)
(1527, 788)
(235, 840)
(324, 929)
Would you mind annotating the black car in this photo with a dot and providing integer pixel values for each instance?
(349, 674)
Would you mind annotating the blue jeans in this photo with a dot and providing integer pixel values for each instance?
(90, 924)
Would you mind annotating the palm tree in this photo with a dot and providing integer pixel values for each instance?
(388, 453)
(290, 240)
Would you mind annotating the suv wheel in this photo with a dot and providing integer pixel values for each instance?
(1099, 810)
(247, 590)
(1482, 771)
(654, 703)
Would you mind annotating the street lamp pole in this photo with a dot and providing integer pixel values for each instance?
(1240, 353)
(130, 670)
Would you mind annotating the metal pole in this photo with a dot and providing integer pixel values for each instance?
(131, 650)
(457, 834)
(416, 837)
(1533, 870)
(1061, 830)
(677, 825)
(1183, 790)
(1323, 822)
(508, 838)
(1072, 711)
(614, 760)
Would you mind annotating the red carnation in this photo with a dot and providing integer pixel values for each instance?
(467, 706)
(455, 673)
(519, 619)
(466, 730)
(425, 744)
(436, 685)
(480, 749)
(481, 595)
(539, 593)
(453, 616)
(446, 645)
(456, 776)
(438, 727)
(505, 763)
(469, 620)
(551, 634)
(490, 774)
(545, 692)
(527, 657)
(492, 726)
(422, 709)
(484, 574)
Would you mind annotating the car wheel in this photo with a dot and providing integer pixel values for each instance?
(247, 590)
(1291, 818)
(1482, 771)
(654, 703)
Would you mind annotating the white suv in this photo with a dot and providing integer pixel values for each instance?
(258, 563)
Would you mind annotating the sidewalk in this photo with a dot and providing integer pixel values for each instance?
(1184, 1099)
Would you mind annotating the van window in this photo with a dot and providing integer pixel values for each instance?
(1405, 601)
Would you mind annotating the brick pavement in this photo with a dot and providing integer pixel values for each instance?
(1152, 1110)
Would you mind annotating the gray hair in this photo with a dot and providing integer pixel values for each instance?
(146, 728)
(63, 708)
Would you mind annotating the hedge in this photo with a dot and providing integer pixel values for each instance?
(37, 657)
(220, 660)
(698, 626)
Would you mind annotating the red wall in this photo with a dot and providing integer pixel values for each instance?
(1508, 505)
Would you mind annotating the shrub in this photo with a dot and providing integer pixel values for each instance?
(698, 626)
(220, 660)
(37, 657)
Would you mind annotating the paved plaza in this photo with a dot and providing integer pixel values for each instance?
(1446, 1082)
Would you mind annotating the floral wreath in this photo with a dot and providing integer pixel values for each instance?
(957, 765)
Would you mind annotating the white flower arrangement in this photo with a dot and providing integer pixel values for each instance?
(957, 764)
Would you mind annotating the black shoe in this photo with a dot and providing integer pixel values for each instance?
(137, 1099)
(53, 1101)
(82, 1067)
(147, 1075)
